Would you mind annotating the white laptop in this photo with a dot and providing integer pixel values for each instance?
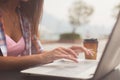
(85, 69)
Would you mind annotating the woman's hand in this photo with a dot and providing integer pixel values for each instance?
(59, 53)
(80, 49)
(64, 53)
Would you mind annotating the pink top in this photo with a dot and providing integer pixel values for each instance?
(15, 48)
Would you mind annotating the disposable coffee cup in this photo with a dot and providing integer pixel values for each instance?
(91, 44)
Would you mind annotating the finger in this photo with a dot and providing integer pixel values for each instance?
(67, 57)
(71, 52)
(90, 52)
(62, 51)
(78, 48)
(77, 52)
(60, 55)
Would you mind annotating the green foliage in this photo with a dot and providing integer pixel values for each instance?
(70, 36)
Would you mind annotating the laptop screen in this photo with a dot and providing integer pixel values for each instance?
(111, 55)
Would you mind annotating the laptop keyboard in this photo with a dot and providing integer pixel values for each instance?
(69, 68)
(64, 68)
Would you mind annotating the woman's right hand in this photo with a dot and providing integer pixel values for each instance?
(58, 53)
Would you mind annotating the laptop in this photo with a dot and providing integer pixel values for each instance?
(85, 69)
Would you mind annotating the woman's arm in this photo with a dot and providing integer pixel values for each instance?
(19, 63)
(22, 62)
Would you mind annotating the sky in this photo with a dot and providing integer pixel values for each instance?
(102, 10)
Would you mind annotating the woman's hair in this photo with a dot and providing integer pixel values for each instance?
(33, 11)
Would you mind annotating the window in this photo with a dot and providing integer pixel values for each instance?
(56, 20)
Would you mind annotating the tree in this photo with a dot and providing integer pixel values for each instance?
(116, 10)
(79, 13)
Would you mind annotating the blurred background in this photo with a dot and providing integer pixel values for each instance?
(68, 22)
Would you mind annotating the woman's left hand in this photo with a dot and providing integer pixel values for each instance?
(80, 49)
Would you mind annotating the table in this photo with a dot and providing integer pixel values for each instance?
(15, 75)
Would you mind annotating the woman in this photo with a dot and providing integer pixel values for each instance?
(19, 44)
